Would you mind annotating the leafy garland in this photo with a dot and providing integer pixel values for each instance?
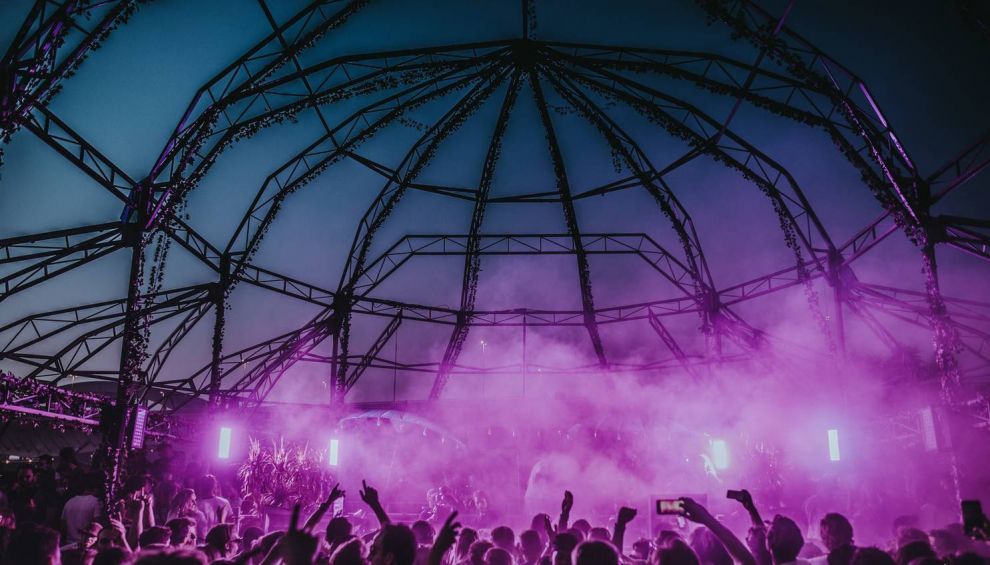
(119, 16)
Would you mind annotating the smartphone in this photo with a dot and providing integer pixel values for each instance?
(735, 495)
(972, 515)
(670, 506)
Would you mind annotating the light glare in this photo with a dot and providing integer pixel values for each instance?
(833, 445)
(720, 454)
(224, 451)
(332, 455)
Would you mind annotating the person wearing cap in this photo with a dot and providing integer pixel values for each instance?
(221, 542)
(80, 551)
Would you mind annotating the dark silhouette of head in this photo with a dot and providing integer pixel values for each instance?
(33, 544)
(351, 552)
(908, 535)
(183, 532)
(478, 550)
(250, 534)
(338, 530)
(566, 542)
(155, 536)
(599, 534)
(394, 545)
(531, 545)
(871, 556)
(503, 537)
(582, 526)
(498, 556)
(467, 537)
(946, 542)
(222, 539)
(667, 537)
(207, 487)
(676, 552)
(642, 548)
(836, 531)
(178, 556)
(596, 552)
(539, 523)
(784, 539)
(112, 556)
(708, 548)
(424, 532)
(914, 550)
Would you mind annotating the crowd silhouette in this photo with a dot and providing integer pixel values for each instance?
(52, 513)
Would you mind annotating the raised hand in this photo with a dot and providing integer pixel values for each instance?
(626, 515)
(448, 534)
(297, 546)
(696, 512)
(746, 499)
(550, 529)
(567, 503)
(324, 506)
(335, 493)
(369, 495)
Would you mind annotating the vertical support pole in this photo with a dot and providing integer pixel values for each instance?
(524, 356)
(945, 356)
(219, 307)
(115, 444)
(337, 384)
(835, 266)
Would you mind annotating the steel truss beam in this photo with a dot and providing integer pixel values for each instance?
(32, 68)
(344, 78)
(668, 339)
(570, 219)
(789, 49)
(257, 90)
(472, 247)
(382, 206)
(53, 253)
(64, 363)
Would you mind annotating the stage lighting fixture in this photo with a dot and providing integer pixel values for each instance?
(928, 429)
(224, 450)
(332, 454)
(140, 421)
(720, 454)
(833, 445)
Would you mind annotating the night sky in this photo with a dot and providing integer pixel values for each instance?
(926, 68)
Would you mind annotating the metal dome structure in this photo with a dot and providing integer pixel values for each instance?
(420, 99)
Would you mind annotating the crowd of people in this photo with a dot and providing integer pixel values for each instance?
(53, 513)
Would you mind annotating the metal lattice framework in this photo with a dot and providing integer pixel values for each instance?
(268, 85)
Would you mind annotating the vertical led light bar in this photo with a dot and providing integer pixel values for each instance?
(720, 454)
(833, 445)
(332, 454)
(224, 450)
(140, 421)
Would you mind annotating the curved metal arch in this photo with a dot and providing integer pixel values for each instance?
(570, 219)
(472, 259)
(31, 65)
(408, 67)
(415, 160)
